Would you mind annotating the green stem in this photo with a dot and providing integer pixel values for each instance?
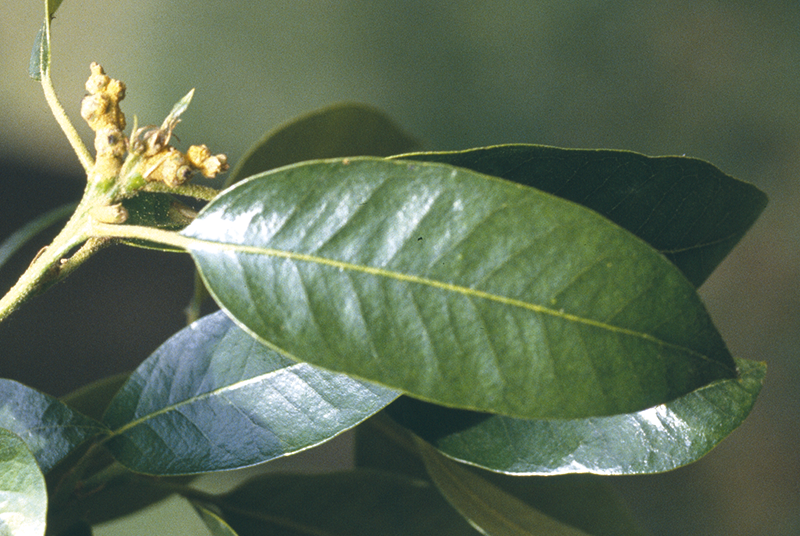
(55, 106)
(51, 264)
(167, 238)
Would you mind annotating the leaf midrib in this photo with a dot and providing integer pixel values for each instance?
(192, 246)
(196, 398)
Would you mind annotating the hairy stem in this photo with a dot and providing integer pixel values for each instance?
(48, 266)
(55, 106)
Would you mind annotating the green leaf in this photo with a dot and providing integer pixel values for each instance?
(30, 230)
(655, 440)
(587, 502)
(216, 525)
(40, 55)
(214, 398)
(49, 428)
(93, 399)
(156, 210)
(488, 508)
(686, 208)
(355, 503)
(23, 495)
(456, 288)
(345, 129)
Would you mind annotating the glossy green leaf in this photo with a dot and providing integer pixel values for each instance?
(23, 495)
(457, 288)
(355, 503)
(490, 509)
(216, 525)
(345, 129)
(655, 440)
(30, 230)
(686, 208)
(49, 428)
(214, 398)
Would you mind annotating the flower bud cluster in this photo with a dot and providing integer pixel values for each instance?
(158, 160)
(100, 108)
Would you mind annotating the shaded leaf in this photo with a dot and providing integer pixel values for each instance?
(30, 230)
(488, 508)
(216, 525)
(79, 528)
(49, 428)
(214, 398)
(686, 208)
(383, 445)
(23, 495)
(587, 502)
(457, 288)
(155, 210)
(655, 440)
(345, 129)
(355, 503)
(93, 399)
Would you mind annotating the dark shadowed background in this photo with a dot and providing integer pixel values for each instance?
(718, 80)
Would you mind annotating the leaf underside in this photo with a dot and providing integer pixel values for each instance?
(457, 288)
(654, 440)
(49, 428)
(23, 496)
(213, 398)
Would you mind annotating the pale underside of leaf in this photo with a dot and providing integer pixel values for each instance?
(658, 439)
(49, 428)
(23, 496)
(214, 398)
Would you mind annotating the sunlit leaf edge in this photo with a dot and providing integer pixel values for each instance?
(676, 433)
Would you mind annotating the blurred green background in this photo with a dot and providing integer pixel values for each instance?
(718, 80)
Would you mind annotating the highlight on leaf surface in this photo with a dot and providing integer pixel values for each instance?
(655, 440)
(214, 398)
(457, 288)
(686, 208)
(23, 495)
(49, 428)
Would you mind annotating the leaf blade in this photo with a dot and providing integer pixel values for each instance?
(357, 503)
(655, 440)
(342, 237)
(49, 428)
(23, 494)
(488, 508)
(346, 129)
(684, 207)
(190, 406)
